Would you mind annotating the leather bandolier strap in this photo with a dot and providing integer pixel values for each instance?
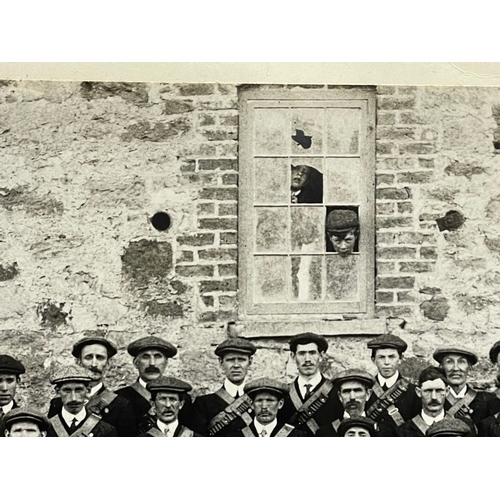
(84, 431)
(460, 407)
(283, 432)
(386, 401)
(421, 425)
(149, 418)
(239, 407)
(99, 402)
(306, 411)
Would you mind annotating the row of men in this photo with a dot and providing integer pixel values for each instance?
(353, 404)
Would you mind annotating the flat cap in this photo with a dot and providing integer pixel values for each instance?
(441, 352)
(168, 384)
(268, 385)
(235, 345)
(70, 373)
(307, 338)
(26, 414)
(388, 341)
(494, 352)
(354, 375)
(341, 220)
(78, 346)
(448, 427)
(8, 364)
(152, 342)
(364, 422)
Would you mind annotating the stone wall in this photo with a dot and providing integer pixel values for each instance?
(85, 166)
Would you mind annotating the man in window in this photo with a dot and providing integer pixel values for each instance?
(26, 422)
(357, 427)
(168, 395)
(10, 371)
(268, 397)
(94, 354)
(72, 384)
(393, 395)
(307, 185)
(227, 409)
(342, 229)
(312, 402)
(462, 400)
(432, 390)
(150, 356)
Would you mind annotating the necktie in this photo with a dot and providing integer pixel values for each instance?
(166, 431)
(263, 433)
(384, 387)
(72, 427)
(308, 390)
(294, 198)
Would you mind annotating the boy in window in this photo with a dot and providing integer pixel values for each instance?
(342, 229)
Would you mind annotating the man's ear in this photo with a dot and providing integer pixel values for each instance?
(220, 361)
(135, 362)
(7, 433)
(181, 404)
(292, 355)
(368, 393)
(418, 391)
(281, 402)
(250, 361)
(43, 433)
(78, 361)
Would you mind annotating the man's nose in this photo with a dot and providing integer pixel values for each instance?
(3, 386)
(152, 362)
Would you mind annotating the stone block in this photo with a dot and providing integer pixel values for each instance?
(393, 222)
(194, 89)
(396, 103)
(393, 193)
(218, 164)
(228, 238)
(220, 135)
(134, 92)
(228, 270)
(403, 282)
(219, 224)
(225, 285)
(415, 177)
(219, 194)
(198, 239)
(156, 132)
(218, 254)
(396, 253)
(194, 271)
(176, 107)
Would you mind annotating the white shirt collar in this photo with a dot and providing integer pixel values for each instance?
(234, 389)
(172, 426)
(389, 382)
(313, 382)
(346, 415)
(268, 428)
(8, 407)
(461, 394)
(95, 389)
(69, 417)
(142, 382)
(430, 420)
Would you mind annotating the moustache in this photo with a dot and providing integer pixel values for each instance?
(434, 402)
(152, 369)
(95, 370)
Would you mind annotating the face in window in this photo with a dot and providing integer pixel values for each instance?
(353, 395)
(73, 396)
(24, 429)
(235, 366)
(8, 386)
(167, 406)
(151, 364)
(357, 432)
(387, 361)
(307, 358)
(300, 176)
(343, 243)
(94, 357)
(433, 395)
(266, 406)
(456, 368)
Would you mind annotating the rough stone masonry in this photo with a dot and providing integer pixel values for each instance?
(85, 165)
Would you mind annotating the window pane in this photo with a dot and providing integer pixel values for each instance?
(271, 180)
(307, 127)
(308, 229)
(342, 277)
(271, 233)
(272, 131)
(271, 279)
(307, 277)
(342, 180)
(343, 130)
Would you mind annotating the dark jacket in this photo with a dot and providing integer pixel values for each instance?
(102, 429)
(2, 425)
(180, 429)
(489, 427)
(484, 405)
(251, 427)
(411, 429)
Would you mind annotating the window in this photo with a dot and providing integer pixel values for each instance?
(307, 160)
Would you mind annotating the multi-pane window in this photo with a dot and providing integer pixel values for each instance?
(306, 202)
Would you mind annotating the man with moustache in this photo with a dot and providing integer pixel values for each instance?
(393, 395)
(462, 400)
(26, 422)
(168, 395)
(312, 402)
(150, 357)
(268, 397)
(227, 409)
(94, 354)
(432, 389)
(10, 371)
(72, 384)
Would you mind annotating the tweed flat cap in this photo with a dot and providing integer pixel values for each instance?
(266, 384)
(78, 346)
(448, 427)
(388, 341)
(152, 342)
(364, 422)
(8, 364)
(235, 345)
(354, 375)
(494, 352)
(307, 338)
(441, 352)
(342, 221)
(168, 384)
(26, 414)
(70, 373)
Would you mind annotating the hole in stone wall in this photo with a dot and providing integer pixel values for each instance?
(161, 221)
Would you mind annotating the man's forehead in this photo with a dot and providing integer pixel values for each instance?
(384, 351)
(457, 357)
(235, 354)
(73, 385)
(94, 348)
(168, 394)
(434, 384)
(311, 346)
(352, 384)
(150, 352)
(8, 375)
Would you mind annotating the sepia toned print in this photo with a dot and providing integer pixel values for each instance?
(187, 260)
